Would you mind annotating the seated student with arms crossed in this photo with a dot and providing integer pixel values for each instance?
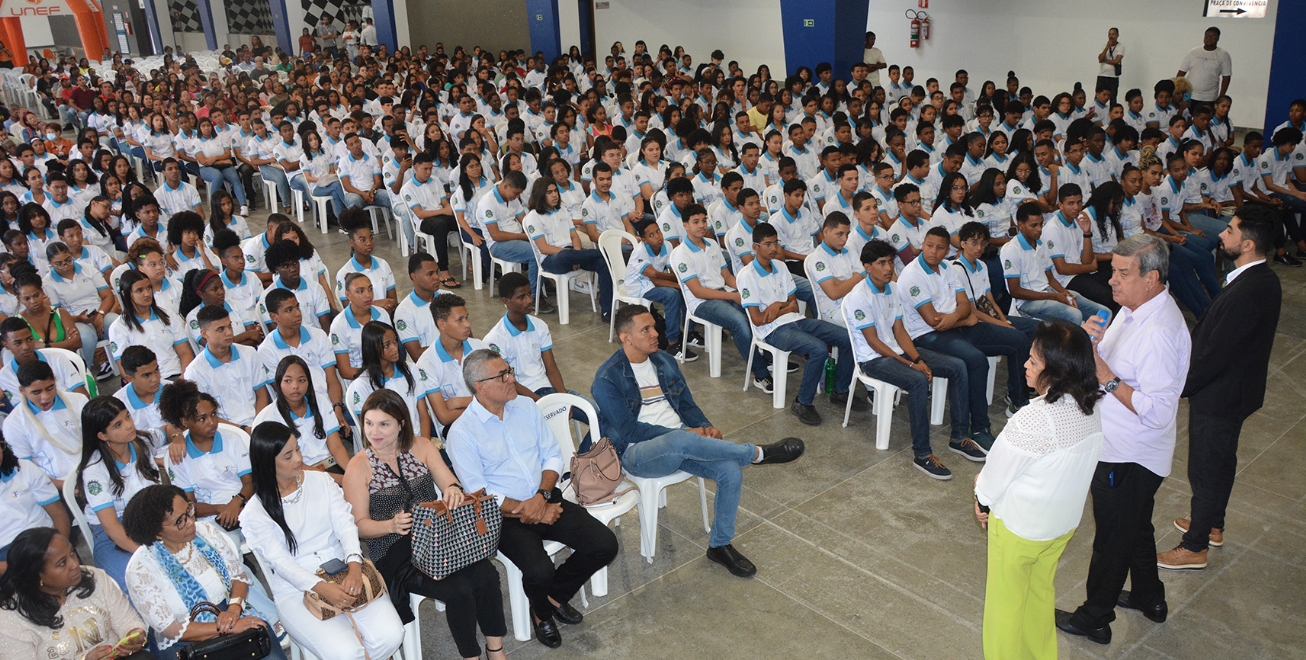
(1029, 272)
(649, 276)
(835, 268)
(214, 468)
(298, 406)
(656, 426)
(768, 298)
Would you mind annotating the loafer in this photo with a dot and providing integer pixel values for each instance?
(785, 451)
(547, 632)
(728, 556)
(1216, 539)
(805, 413)
(1100, 635)
(567, 614)
(1156, 612)
(860, 404)
(1287, 260)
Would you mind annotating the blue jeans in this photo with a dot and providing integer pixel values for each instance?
(278, 176)
(485, 251)
(1024, 324)
(382, 200)
(108, 556)
(333, 190)
(673, 309)
(592, 260)
(813, 339)
(729, 315)
(1189, 269)
(994, 340)
(1209, 225)
(804, 293)
(917, 387)
(215, 177)
(954, 344)
(1051, 309)
(517, 252)
(721, 461)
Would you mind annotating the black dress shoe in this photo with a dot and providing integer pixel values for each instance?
(547, 632)
(567, 614)
(784, 451)
(737, 564)
(1100, 635)
(1287, 260)
(1156, 612)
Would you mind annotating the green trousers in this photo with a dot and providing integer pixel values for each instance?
(1019, 597)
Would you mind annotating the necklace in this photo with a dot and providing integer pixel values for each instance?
(299, 492)
(189, 550)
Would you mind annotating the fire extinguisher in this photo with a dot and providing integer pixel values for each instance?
(923, 4)
(915, 29)
(925, 25)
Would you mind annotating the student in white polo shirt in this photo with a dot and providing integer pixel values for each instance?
(214, 468)
(749, 166)
(826, 181)
(413, 315)
(175, 195)
(500, 211)
(140, 368)
(358, 226)
(347, 327)
(680, 194)
(865, 224)
(648, 275)
(738, 240)
(1068, 234)
(144, 323)
(447, 391)
(1029, 273)
(298, 406)
(524, 341)
(768, 296)
(27, 499)
(908, 231)
(840, 198)
(360, 175)
(384, 366)
(709, 287)
(724, 212)
(283, 259)
(292, 337)
(425, 198)
(835, 269)
(58, 204)
(229, 370)
(16, 338)
(45, 426)
(606, 208)
(795, 224)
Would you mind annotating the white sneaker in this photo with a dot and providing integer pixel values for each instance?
(244, 210)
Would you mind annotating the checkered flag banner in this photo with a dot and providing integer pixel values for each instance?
(185, 16)
(447, 540)
(249, 17)
(339, 11)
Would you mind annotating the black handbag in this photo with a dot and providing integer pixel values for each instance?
(253, 644)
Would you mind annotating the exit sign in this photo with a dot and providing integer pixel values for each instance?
(809, 22)
(539, 17)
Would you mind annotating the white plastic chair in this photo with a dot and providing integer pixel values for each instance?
(885, 395)
(562, 285)
(79, 514)
(471, 254)
(320, 210)
(610, 243)
(412, 647)
(711, 335)
(556, 409)
(993, 374)
(779, 362)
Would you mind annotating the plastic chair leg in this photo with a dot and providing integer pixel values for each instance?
(520, 606)
(938, 400)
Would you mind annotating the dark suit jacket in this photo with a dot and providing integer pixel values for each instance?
(1231, 346)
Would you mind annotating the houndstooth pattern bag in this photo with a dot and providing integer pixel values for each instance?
(447, 540)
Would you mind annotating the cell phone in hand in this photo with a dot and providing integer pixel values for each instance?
(334, 566)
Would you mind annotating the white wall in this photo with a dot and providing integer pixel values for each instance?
(36, 32)
(568, 24)
(1050, 44)
(745, 30)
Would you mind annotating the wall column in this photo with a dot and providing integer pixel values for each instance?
(542, 19)
(818, 31)
(383, 17)
(1287, 64)
(205, 8)
(281, 25)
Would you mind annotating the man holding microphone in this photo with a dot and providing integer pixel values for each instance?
(1142, 362)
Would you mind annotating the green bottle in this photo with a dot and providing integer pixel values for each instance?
(830, 369)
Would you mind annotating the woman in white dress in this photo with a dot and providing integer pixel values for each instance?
(299, 521)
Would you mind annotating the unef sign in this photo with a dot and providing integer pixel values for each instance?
(19, 8)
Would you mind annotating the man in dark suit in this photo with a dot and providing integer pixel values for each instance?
(1226, 379)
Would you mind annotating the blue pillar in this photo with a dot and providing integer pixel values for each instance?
(818, 31)
(280, 25)
(1287, 64)
(152, 24)
(542, 17)
(205, 8)
(383, 16)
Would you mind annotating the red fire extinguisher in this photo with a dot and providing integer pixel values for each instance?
(915, 29)
(925, 25)
(923, 4)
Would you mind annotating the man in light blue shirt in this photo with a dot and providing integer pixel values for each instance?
(502, 443)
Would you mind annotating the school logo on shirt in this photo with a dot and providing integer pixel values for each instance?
(915, 291)
(195, 325)
(335, 340)
(1265, 165)
(979, 214)
(584, 213)
(340, 285)
(421, 373)
(489, 213)
(1006, 264)
(357, 398)
(820, 266)
(1299, 156)
(408, 198)
(1016, 190)
(495, 348)
(859, 315)
(94, 488)
(113, 348)
(249, 258)
(402, 325)
(683, 268)
(172, 476)
(744, 294)
(1164, 201)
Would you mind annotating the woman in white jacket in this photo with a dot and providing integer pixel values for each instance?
(297, 521)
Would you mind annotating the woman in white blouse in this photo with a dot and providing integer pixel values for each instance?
(297, 521)
(1030, 494)
(181, 563)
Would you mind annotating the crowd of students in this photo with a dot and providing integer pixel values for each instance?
(923, 228)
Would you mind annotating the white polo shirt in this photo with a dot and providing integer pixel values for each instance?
(867, 306)
(145, 414)
(607, 214)
(858, 238)
(160, 337)
(1029, 264)
(637, 284)
(822, 185)
(63, 424)
(413, 320)
(443, 373)
(825, 264)
(428, 195)
(312, 299)
(347, 334)
(795, 231)
(175, 200)
(522, 349)
(314, 348)
(23, 495)
(1063, 239)
(93, 257)
(704, 262)
(99, 489)
(238, 321)
(214, 476)
(66, 374)
(362, 388)
(920, 284)
(739, 242)
(254, 249)
(760, 287)
(360, 172)
(903, 234)
(315, 449)
(233, 383)
(243, 295)
(554, 227)
(491, 209)
(69, 210)
(972, 278)
(378, 271)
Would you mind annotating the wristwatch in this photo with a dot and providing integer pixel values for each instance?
(547, 493)
(1112, 384)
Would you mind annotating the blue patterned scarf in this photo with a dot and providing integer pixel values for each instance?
(188, 587)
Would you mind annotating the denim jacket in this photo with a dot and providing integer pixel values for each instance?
(617, 393)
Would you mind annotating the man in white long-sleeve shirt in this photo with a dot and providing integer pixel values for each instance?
(1142, 363)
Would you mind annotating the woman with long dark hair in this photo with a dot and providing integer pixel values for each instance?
(471, 183)
(143, 323)
(298, 407)
(201, 288)
(384, 367)
(47, 594)
(296, 522)
(109, 436)
(1030, 494)
(394, 471)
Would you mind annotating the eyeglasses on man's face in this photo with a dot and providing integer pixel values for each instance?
(502, 376)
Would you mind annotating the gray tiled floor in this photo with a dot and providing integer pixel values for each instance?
(860, 555)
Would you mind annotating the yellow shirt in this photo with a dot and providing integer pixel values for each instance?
(756, 118)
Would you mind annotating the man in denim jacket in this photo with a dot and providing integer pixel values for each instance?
(652, 420)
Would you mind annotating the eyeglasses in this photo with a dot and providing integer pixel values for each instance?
(768, 244)
(502, 376)
(910, 202)
(180, 522)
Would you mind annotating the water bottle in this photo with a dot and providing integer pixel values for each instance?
(830, 369)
